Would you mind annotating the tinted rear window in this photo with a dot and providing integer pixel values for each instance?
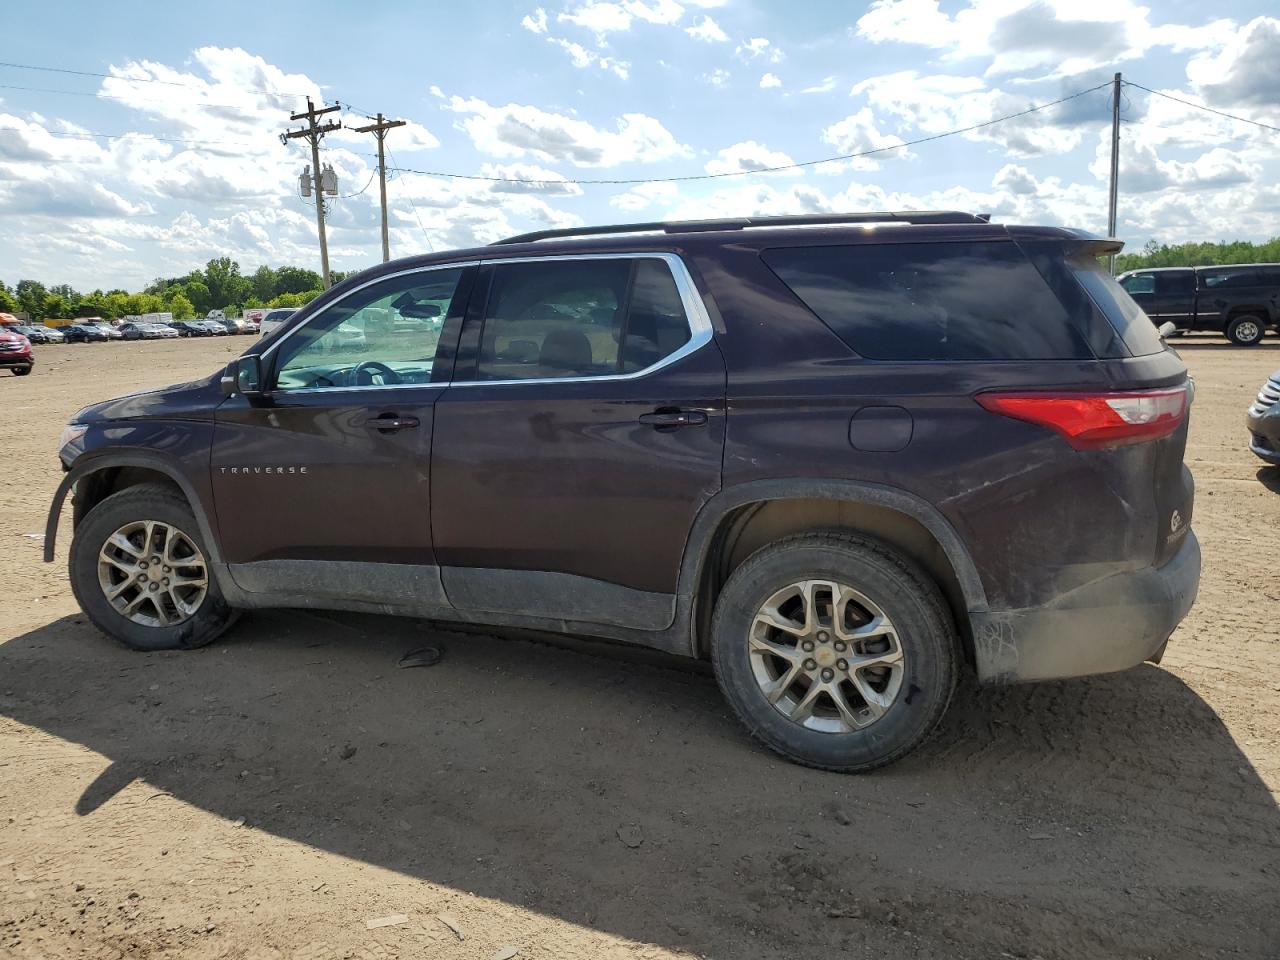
(932, 301)
(1130, 322)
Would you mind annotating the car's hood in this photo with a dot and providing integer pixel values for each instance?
(182, 401)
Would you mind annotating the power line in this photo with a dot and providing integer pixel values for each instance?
(1201, 106)
(112, 76)
(774, 169)
(414, 207)
(107, 96)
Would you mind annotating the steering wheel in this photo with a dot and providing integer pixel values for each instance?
(362, 374)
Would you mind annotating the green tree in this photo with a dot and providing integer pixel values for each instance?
(264, 283)
(180, 306)
(31, 294)
(198, 294)
(296, 280)
(53, 307)
(8, 302)
(95, 304)
(227, 288)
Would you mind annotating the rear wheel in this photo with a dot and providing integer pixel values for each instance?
(834, 650)
(140, 571)
(1245, 330)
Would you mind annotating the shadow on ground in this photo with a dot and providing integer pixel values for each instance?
(1105, 817)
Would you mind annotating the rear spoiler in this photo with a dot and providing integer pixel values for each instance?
(1098, 246)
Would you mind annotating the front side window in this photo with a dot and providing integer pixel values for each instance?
(1139, 283)
(382, 335)
(579, 318)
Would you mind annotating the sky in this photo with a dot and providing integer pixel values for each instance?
(149, 142)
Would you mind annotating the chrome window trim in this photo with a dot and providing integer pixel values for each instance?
(696, 317)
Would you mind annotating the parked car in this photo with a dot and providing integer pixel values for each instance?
(38, 334)
(234, 325)
(218, 315)
(1240, 301)
(1263, 421)
(112, 332)
(147, 331)
(215, 328)
(85, 333)
(825, 459)
(251, 325)
(190, 328)
(15, 352)
(275, 318)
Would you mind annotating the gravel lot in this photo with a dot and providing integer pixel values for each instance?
(267, 796)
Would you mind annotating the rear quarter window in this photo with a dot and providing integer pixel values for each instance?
(932, 301)
(1130, 323)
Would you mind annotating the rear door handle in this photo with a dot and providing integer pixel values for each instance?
(673, 418)
(390, 422)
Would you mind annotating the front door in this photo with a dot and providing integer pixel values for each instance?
(323, 488)
(582, 433)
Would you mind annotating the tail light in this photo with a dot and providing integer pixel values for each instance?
(1090, 421)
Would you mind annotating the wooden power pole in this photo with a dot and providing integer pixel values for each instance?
(379, 129)
(1114, 193)
(312, 133)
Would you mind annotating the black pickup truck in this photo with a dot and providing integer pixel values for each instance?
(1240, 301)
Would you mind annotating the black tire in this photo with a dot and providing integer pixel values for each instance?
(906, 595)
(21, 371)
(1246, 330)
(144, 502)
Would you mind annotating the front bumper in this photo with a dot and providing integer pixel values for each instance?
(1108, 625)
(1264, 433)
(17, 359)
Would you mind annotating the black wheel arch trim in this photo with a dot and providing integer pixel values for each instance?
(132, 459)
(715, 510)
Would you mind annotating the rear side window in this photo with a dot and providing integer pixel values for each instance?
(579, 318)
(932, 301)
(1176, 283)
(1139, 283)
(1127, 318)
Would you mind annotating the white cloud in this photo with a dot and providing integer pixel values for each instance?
(645, 195)
(939, 103)
(603, 17)
(1143, 171)
(759, 48)
(826, 86)
(717, 77)
(770, 80)
(747, 156)
(1066, 37)
(535, 22)
(537, 180)
(516, 130)
(857, 133)
(1243, 73)
(582, 58)
(707, 30)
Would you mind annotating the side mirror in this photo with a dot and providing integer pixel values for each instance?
(244, 376)
(1166, 328)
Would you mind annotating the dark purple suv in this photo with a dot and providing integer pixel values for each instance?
(839, 456)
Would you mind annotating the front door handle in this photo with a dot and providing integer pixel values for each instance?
(669, 419)
(390, 423)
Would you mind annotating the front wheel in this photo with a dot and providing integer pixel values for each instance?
(1245, 330)
(140, 571)
(21, 371)
(834, 650)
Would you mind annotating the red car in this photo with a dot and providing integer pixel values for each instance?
(15, 352)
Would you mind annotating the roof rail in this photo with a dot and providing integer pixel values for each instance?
(742, 223)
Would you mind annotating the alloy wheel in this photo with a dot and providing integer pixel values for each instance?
(152, 573)
(825, 656)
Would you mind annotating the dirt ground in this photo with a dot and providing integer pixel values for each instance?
(267, 796)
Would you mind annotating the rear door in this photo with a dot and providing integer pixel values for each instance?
(324, 487)
(581, 435)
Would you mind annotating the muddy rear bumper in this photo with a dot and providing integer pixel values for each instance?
(1110, 624)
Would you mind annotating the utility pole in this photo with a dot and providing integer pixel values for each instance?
(379, 130)
(312, 133)
(1115, 164)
